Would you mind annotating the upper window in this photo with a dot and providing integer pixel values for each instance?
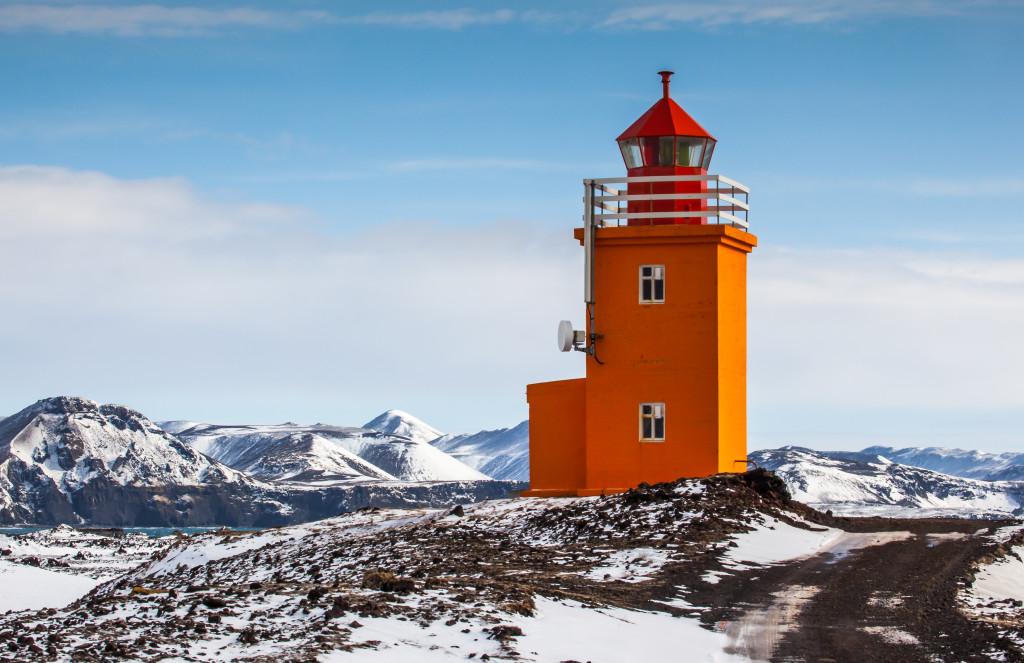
(652, 421)
(652, 284)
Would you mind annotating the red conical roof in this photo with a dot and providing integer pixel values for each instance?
(665, 118)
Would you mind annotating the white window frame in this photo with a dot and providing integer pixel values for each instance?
(657, 274)
(654, 414)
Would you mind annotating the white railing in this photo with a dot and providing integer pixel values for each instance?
(605, 206)
(727, 200)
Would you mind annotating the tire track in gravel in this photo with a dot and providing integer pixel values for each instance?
(870, 596)
(757, 634)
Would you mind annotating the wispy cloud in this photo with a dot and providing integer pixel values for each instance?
(453, 19)
(141, 20)
(149, 19)
(473, 163)
(885, 328)
(666, 16)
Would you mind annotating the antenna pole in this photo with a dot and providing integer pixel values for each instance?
(588, 242)
(588, 266)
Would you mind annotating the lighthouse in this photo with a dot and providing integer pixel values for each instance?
(665, 303)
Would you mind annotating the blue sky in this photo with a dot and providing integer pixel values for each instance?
(317, 211)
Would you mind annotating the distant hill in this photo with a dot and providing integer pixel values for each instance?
(403, 424)
(502, 454)
(318, 452)
(958, 462)
(856, 483)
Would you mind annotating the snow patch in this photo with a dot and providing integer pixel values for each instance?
(31, 588)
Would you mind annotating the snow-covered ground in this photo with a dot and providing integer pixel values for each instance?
(30, 588)
(571, 579)
(100, 556)
(51, 568)
(774, 541)
(521, 578)
(557, 631)
(996, 595)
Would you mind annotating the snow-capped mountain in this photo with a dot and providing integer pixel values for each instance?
(74, 441)
(501, 454)
(286, 452)
(68, 459)
(403, 424)
(295, 452)
(873, 485)
(958, 462)
(71, 460)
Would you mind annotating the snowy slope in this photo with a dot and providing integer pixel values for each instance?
(31, 588)
(286, 452)
(295, 452)
(501, 454)
(873, 485)
(403, 424)
(175, 427)
(958, 462)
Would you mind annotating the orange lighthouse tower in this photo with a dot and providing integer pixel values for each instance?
(665, 288)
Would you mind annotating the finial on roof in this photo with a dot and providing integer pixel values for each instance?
(665, 75)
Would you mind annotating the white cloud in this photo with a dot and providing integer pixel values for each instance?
(472, 163)
(148, 292)
(139, 20)
(59, 205)
(150, 19)
(886, 328)
(666, 16)
(151, 293)
(453, 19)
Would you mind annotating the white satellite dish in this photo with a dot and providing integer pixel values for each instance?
(566, 336)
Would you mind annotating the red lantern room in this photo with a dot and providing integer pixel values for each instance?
(667, 142)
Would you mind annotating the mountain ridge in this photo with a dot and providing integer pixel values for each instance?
(854, 483)
(72, 460)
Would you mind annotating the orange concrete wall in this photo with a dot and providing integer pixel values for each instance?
(689, 352)
(732, 357)
(557, 437)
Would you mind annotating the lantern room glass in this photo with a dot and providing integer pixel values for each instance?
(690, 151)
(708, 152)
(631, 152)
(685, 151)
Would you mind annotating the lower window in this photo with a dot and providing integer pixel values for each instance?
(652, 421)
